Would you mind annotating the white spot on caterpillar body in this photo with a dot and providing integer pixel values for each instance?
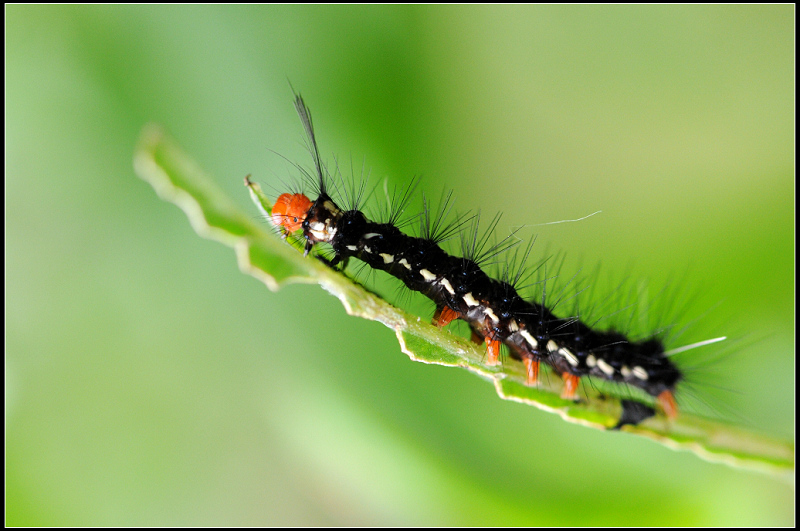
(529, 338)
(446, 284)
(323, 234)
(427, 275)
(571, 358)
(470, 300)
(607, 369)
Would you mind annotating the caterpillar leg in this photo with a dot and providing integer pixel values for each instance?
(532, 369)
(667, 402)
(570, 386)
(334, 262)
(633, 413)
(444, 316)
(493, 351)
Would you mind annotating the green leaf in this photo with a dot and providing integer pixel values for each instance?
(176, 178)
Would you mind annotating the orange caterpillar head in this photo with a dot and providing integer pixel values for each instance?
(290, 211)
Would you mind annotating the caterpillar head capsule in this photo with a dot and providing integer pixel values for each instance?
(290, 211)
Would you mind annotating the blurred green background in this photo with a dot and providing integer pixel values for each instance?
(148, 382)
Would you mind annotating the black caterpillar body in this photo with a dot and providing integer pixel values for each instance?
(493, 309)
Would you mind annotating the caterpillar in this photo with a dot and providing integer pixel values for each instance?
(460, 289)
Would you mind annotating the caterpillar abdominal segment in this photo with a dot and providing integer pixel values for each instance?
(494, 310)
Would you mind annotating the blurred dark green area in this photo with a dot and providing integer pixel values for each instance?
(148, 382)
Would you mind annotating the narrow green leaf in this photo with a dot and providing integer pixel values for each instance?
(176, 178)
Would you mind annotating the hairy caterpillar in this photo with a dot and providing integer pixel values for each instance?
(460, 289)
